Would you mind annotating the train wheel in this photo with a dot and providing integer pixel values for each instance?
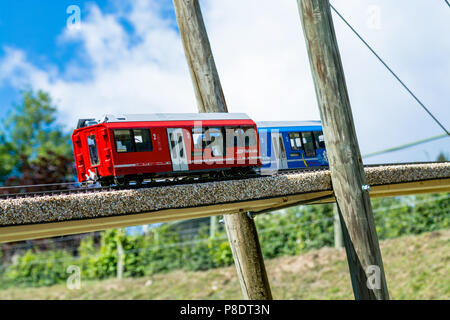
(139, 181)
(106, 182)
(120, 182)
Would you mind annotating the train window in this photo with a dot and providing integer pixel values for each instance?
(215, 141)
(135, 140)
(296, 143)
(250, 137)
(208, 138)
(320, 140)
(197, 137)
(142, 140)
(308, 144)
(124, 143)
(93, 152)
(238, 137)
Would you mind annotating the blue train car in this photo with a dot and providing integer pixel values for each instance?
(291, 144)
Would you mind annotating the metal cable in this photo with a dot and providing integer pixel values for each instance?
(404, 146)
(390, 70)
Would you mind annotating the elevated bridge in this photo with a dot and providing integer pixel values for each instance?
(49, 216)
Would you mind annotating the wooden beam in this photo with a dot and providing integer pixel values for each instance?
(241, 230)
(347, 172)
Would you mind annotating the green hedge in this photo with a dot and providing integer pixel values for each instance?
(288, 232)
(38, 269)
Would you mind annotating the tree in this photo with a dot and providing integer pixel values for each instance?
(7, 162)
(32, 141)
(48, 169)
(442, 157)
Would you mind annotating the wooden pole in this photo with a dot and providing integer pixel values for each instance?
(120, 254)
(347, 174)
(205, 78)
(212, 226)
(241, 229)
(244, 242)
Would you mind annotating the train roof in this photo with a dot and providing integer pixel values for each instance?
(110, 118)
(288, 124)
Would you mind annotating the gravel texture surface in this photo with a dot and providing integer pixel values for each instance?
(103, 204)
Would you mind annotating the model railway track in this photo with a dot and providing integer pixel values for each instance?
(158, 183)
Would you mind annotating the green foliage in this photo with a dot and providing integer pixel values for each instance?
(443, 156)
(87, 253)
(220, 252)
(205, 253)
(162, 251)
(395, 217)
(30, 131)
(39, 269)
(101, 263)
(143, 255)
(8, 158)
(197, 256)
(287, 232)
(295, 230)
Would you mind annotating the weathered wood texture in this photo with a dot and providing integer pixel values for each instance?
(344, 156)
(199, 56)
(244, 242)
(241, 230)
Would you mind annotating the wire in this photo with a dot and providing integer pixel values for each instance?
(404, 146)
(390, 70)
(447, 3)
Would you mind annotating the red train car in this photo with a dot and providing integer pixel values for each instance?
(137, 147)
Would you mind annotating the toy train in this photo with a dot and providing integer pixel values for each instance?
(122, 149)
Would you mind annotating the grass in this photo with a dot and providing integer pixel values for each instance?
(417, 267)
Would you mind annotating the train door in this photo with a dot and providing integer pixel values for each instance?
(94, 159)
(177, 149)
(308, 144)
(279, 150)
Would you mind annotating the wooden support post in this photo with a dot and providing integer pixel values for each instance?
(212, 226)
(347, 174)
(244, 242)
(338, 238)
(120, 254)
(241, 229)
(205, 78)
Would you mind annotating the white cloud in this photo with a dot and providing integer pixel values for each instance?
(147, 76)
(262, 61)
(261, 56)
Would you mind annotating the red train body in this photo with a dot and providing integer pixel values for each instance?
(137, 147)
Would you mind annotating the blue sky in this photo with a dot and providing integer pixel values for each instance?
(127, 57)
(34, 27)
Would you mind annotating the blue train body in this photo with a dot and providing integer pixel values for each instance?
(291, 144)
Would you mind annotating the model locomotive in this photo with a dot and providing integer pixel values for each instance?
(118, 150)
